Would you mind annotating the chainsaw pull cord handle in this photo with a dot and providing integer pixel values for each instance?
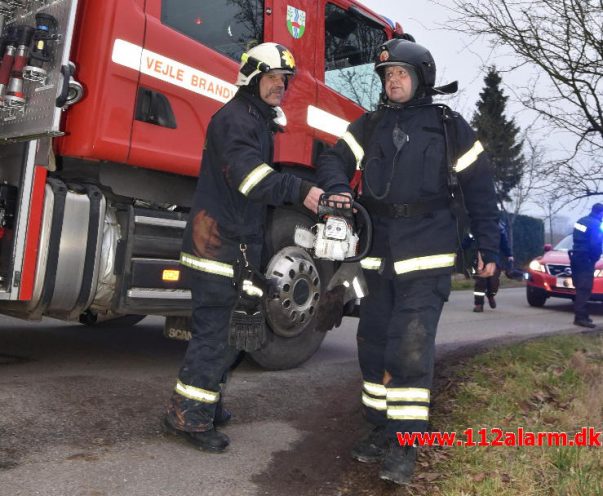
(369, 234)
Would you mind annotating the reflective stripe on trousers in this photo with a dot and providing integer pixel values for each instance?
(425, 263)
(206, 265)
(197, 394)
(399, 403)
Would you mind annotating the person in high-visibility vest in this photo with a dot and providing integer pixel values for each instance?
(585, 252)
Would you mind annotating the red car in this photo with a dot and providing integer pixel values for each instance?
(551, 275)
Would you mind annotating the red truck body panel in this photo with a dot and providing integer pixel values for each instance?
(100, 126)
(125, 46)
(90, 231)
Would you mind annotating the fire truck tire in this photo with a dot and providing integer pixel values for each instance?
(536, 296)
(90, 319)
(286, 347)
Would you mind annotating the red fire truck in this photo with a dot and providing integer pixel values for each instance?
(103, 110)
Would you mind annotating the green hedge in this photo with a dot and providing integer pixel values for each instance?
(528, 239)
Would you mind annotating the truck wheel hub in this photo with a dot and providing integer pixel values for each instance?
(297, 291)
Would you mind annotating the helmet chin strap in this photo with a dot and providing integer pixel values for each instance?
(280, 119)
(253, 88)
(447, 89)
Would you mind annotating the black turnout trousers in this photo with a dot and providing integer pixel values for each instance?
(583, 268)
(208, 356)
(396, 337)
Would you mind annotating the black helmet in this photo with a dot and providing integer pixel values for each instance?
(399, 52)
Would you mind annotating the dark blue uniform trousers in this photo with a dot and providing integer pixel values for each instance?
(583, 268)
(396, 344)
(208, 356)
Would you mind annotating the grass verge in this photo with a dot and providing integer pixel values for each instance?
(546, 385)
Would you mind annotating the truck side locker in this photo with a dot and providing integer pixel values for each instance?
(29, 116)
(17, 178)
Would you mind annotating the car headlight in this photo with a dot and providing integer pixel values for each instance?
(537, 266)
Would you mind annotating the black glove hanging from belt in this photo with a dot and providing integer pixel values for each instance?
(247, 321)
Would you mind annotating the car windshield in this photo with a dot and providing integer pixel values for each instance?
(565, 244)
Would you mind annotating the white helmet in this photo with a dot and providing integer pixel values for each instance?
(263, 58)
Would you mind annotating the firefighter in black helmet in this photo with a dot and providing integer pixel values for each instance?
(418, 160)
(225, 226)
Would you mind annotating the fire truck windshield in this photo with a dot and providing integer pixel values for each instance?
(226, 26)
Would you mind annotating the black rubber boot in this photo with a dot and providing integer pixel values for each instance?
(222, 416)
(491, 301)
(399, 463)
(371, 448)
(211, 441)
(585, 322)
(478, 308)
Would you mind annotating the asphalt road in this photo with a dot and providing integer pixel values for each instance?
(80, 407)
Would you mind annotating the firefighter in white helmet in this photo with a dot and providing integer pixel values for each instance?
(223, 241)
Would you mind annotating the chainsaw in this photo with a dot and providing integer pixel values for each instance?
(334, 236)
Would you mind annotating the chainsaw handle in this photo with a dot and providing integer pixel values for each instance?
(369, 233)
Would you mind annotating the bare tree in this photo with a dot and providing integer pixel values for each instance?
(359, 84)
(551, 207)
(531, 178)
(564, 40)
(531, 182)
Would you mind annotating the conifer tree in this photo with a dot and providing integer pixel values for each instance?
(499, 136)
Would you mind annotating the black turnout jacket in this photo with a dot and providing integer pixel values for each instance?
(587, 237)
(402, 154)
(235, 185)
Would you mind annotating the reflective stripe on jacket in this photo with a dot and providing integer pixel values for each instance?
(236, 184)
(587, 236)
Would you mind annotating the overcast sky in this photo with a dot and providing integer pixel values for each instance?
(458, 58)
(461, 58)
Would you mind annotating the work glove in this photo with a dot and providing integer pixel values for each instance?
(247, 331)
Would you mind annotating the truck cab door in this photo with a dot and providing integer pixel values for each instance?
(347, 84)
(296, 26)
(189, 65)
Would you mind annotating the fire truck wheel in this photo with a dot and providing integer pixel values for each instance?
(91, 319)
(300, 281)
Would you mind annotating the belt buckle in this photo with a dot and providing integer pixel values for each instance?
(400, 209)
